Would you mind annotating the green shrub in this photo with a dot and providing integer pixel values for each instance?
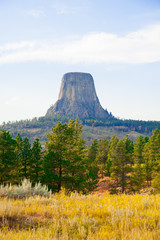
(24, 190)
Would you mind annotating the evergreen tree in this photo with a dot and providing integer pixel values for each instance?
(92, 150)
(120, 165)
(56, 148)
(151, 155)
(148, 164)
(19, 157)
(154, 146)
(7, 157)
(155, 156)
(65, 162)
(138, 150)
(137, 177)
(26, 155)
(138, 170)
(50, 175)
(102, 157)
(146, 139)
(129, 149)
(36, 162)
(156, 181)
(112, 147)
(75, 158)
(112, 150)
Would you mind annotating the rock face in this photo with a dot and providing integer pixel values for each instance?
(78, 98)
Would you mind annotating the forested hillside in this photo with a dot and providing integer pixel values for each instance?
(39, 127)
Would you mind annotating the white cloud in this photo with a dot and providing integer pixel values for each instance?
(141, 46)
(12, 101)
(35, 13)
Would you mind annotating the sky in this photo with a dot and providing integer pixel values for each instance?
(117, 42)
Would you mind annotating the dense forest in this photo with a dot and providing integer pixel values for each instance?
(67, 162)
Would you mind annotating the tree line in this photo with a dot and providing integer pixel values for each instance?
(63, 162)
(66, 162)
(38, 127)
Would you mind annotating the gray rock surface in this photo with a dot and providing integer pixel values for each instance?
(78, 98)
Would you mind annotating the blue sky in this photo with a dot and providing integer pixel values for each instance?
(117, 41)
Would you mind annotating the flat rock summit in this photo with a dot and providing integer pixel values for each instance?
(78, 98)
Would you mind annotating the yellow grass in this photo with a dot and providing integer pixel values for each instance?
(89, 217)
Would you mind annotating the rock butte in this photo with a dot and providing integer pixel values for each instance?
(78, 98)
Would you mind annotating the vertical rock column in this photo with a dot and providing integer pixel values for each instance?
(78, 98)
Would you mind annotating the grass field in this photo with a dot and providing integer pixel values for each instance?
(81, 217)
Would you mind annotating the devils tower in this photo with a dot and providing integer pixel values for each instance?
(78, 98)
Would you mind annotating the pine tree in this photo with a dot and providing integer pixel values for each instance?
(139, 168)
(36, 162)
(65, 161)
(148, 164)
(129, 149)
(50, 175)
(92, 150)
(102, 157)
(7, 157)
(138, 150)
(151, 154)
(19, 155)
(156, 181)
(120, 165)
(75, 158)
(112, 151)
(154, 145)
(112, 147)
(54, 161)
(26, 155)
(155, 156)
(137, 177)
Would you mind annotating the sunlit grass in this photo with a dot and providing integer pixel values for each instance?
(81, 217)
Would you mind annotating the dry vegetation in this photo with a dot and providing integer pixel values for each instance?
(90, 133)
(81, 217)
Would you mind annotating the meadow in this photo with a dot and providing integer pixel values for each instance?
(75, 216)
